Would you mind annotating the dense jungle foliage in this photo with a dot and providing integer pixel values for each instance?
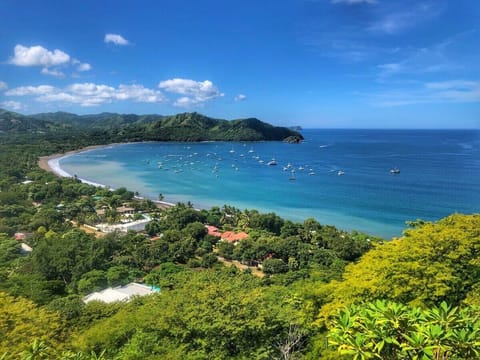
(110, 128)
(321, 293)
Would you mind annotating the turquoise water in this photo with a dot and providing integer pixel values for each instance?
(439, 175)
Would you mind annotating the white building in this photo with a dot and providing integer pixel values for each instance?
(138, 225)
(120, 293)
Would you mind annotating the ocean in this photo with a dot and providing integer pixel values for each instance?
(339, 177)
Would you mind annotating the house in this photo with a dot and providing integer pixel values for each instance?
(125, 210)
(121, 293)
(25, 249)
(213, 230)
(138, 225)
(19, 236)
(232, 237)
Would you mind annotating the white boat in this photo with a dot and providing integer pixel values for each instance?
(272, 162)
(292, 176)
(395, 171)
(340, 173)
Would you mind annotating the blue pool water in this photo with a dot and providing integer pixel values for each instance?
(439, 175)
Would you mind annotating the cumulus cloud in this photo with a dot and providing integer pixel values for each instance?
(53, 72)
(89, 94)
(84, 67)
(51, 61)
(116, 39)
(38, 56)
(240, 97)
(3, 85)
(194, 92)
(11, 105)
(30, 90)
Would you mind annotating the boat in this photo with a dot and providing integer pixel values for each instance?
(340, 173)
(272, 162)
(395, 171)
(292, 176)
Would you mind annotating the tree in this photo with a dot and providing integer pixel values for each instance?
(274, 266)
(9, 250)
(94, 280)
(211, 314)
(21, 321)
(431, 263)
(388, 330)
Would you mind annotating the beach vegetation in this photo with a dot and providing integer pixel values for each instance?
(293, 290)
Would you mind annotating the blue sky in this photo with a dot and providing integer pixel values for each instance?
(315, 63)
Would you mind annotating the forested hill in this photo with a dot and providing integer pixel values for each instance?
(131, 127)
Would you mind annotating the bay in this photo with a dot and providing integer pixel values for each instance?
(339, 177)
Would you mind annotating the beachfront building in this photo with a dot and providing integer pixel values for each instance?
(121, 293)
(138, 225)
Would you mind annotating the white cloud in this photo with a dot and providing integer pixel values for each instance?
(50, 61)
(84, 67)
(195, 92)
(12, 105)
(30, 90)
(392, 21)
(139, 93)
(3, 85)
(453, 91)
(240, 97)
(453, 84)
(116, 39)
(53, 72)
(38, 56)
(89, 94)
(185, 101)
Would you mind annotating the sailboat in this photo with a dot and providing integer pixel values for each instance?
(292, 176)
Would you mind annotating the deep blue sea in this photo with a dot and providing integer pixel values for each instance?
(339, 177)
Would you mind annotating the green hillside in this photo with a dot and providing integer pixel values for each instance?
(111, 127)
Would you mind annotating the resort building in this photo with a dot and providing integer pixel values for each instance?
(138, 225)
(121, 293)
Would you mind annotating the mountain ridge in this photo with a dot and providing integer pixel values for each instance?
(188, 126)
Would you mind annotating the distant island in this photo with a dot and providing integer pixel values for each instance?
(112, 127)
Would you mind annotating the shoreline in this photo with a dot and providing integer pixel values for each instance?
(51, 163)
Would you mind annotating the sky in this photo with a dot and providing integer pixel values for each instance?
(313, 63)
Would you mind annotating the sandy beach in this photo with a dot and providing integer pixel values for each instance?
(51, 163)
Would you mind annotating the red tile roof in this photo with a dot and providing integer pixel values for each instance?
(212, 230)
(232, 237)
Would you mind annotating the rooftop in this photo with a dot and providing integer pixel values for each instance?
(120, 293)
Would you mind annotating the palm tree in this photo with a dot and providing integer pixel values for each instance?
(36, 350)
